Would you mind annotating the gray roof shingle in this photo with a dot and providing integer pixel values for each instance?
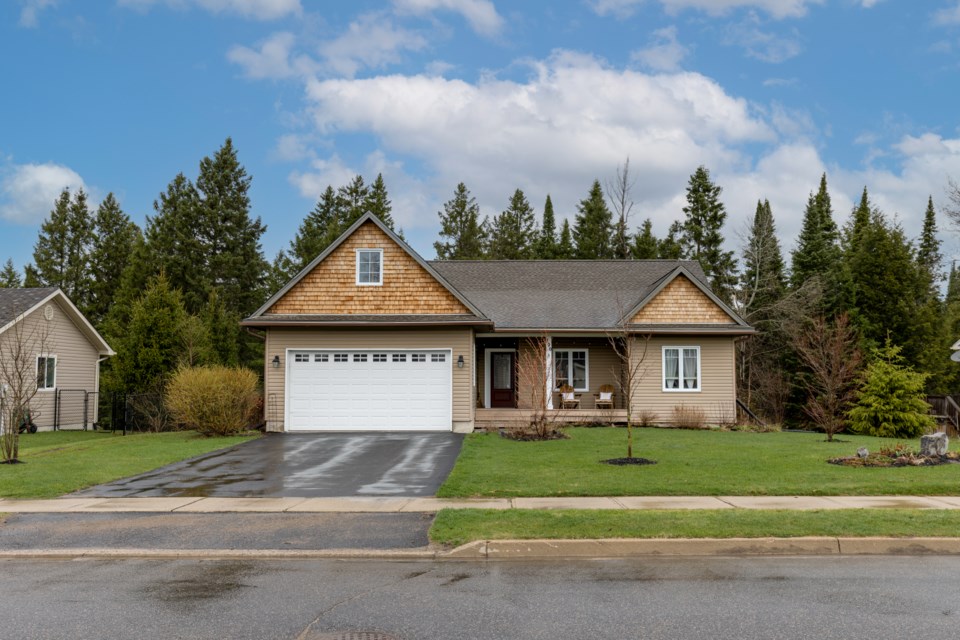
(558, 294)
(13, 302)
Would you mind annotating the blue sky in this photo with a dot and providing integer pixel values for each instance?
(542, 95)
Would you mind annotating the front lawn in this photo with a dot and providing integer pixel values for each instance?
(459, 526)
(688, 463)
(59, 462)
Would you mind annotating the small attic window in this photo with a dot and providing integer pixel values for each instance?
(370, 267)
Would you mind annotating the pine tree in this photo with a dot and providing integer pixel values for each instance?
(9, 276)
(817, 253)
(514, 230)
(352, 201)
(565, 248)
(928, 251)
(461, 228)
(377, 202)
(62, 253)
(593, 227)
(702, 238)
(223, 328)
(644, 242)
(763, 281)
(547, 242)
(316, 232)
(112, 247)
(953, 284)
(670, 248)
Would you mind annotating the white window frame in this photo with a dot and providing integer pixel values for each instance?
(663, 365)
(379, 252)
(36, 376)
(586, 365)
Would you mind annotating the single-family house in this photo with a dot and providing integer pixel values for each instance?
(370, 336)
(46, 338)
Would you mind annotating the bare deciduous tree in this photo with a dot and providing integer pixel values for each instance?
(533, 377)
(619, 192)
(631, 350)
(20, 345)
(833, 358)
(953, 210)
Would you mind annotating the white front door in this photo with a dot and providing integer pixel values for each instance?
(369, 390)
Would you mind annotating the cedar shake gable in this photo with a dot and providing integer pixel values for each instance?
(328, 286)
(680, 299)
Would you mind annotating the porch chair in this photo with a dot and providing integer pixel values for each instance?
(569, 399)
(604, 399)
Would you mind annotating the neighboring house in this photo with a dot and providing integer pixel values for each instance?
(62, 350)
(369, 336)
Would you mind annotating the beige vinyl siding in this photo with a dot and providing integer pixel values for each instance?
(717, 395)
(603, 367)
(278, 340)
(76, 367)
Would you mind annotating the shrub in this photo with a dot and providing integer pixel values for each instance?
(213, 400)
(685, 417)
(891, 401)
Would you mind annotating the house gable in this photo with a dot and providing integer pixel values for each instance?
(330, 287)
(681, 302)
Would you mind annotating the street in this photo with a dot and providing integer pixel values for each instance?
(653, 598)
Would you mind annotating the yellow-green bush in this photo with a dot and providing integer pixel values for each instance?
(214, 400)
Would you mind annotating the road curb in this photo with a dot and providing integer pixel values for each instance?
(507, 550)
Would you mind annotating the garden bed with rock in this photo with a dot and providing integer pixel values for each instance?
(933, 451)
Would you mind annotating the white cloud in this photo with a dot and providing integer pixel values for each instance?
(373, 41)
(481, 14)
(271, 60)
(28, 191)
(765, 46)
(664, 53)
(31, 9)
(251, 9)
(778, 9)
(948, 16)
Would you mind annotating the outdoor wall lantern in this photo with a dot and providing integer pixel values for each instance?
(460, 362)
(275, 362)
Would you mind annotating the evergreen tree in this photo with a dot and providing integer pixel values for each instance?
(817, 253)
(152, 343)
(670, 248)
(565, 248)
(859, 221)
(593, 227)
(377, 202)
(702, 238)
(953, 284)
(223, 328)
(547, 242)
(9, 276)
(352, 199)
(645, 246)
(461, 228)
(514, 231)
(316, 232)
(62, 253)
(111, 249)
(928, 251)
(763, 282)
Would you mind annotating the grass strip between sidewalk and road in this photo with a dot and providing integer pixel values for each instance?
(59, 462)
(459, 526)
(689, 463)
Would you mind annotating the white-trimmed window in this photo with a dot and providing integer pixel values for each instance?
(370, 267)
(681, 368)
(570, 367)
(46, 372)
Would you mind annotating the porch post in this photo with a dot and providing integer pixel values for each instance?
(549, 365)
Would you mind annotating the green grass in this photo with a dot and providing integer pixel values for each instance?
(63, 461)
(459, 526)
(688, 463)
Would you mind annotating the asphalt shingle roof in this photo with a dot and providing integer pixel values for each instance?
(557, 294)
(13, 302)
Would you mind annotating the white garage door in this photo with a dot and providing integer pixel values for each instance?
(380, 390)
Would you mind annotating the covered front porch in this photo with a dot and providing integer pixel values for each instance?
(492, 419)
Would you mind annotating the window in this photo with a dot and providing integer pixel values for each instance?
(399, 357)
(379, 357)
(681, 368)
(46, 372)
(301, 357)
(438, 357)
(570, 367)
(369, 266)
(321, 357)
(418, 357)
(341, 357)
(359, 357)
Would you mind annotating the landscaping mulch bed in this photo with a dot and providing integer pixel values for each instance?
(896, 456)
(532, 435)
(622, 462)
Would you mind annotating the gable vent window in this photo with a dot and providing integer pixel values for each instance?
(370, 267)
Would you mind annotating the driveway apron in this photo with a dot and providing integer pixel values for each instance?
(304, 465)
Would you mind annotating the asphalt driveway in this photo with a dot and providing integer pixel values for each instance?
(316, 465)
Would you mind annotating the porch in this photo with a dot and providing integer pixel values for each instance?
(493, 419)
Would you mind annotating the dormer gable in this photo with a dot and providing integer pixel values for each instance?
(680, 299)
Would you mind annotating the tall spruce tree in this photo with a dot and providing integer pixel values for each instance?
(817, 253)
(9, 276)
(763, 281)
(644, 242)
(593, 227)
(61, 255)
(670, 248)
(702, 238)
(352, 199)
(547, 242)
(112, 246)
(316, 232)
(928, 248)
(462, 234)
(514, 231)
(565, 248)
(378, 203)
(223, 328)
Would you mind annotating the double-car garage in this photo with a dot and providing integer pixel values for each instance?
(369, 390)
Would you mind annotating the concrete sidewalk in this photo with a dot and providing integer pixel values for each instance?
(432, 505)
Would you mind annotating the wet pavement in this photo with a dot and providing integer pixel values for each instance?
(315, 465)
